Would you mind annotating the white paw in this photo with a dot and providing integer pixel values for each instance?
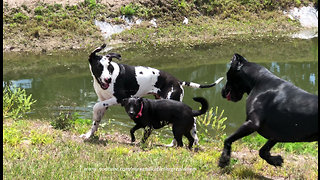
(85, 136)
(169, 145)
(173, 143)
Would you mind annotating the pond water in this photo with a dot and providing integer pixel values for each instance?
(62, 82)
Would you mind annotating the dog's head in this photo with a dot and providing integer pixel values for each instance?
(236, 84)
(102, 67)
(133, 106)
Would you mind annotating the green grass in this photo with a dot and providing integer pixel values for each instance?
(256, 142)
(33, 149)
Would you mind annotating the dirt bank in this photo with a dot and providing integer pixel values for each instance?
(54, 25)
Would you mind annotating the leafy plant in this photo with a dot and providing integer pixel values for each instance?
(20, 17)
(128, 10)
(214, 122)
(16, 103)
(12, 136)
(91, 3)
(64, 121)
(40, 138)
(68, 120)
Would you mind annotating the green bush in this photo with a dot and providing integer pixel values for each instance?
(16, 103)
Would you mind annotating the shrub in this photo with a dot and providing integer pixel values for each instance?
(16, 103)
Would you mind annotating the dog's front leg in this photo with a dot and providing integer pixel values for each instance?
(245, 129)
(98, 112)
(265, 154)
(147, 132)
(136, 127)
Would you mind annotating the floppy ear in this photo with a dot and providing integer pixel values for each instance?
(237, 61)
(113, 55)
(124, 101)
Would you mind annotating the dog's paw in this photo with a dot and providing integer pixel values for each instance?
(173, 143)
(196, 149)
(85, 136)
(224, 161)
(275, 160)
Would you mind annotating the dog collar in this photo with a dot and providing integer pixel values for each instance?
(140, 112)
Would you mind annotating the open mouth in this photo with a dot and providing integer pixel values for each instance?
(228, 96)
(106, 84)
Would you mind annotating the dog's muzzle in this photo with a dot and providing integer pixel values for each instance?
(105, 85)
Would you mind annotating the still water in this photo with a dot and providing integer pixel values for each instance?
(62, 81)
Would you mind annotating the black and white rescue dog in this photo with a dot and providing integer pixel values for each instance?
(275, 108)
(113, 82)
(154, 114)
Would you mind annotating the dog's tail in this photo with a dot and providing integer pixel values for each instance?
(196, 85)
(204, 108)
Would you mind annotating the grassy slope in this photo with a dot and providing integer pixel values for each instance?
(33, 149)
(46, 27)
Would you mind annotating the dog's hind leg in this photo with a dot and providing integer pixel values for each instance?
(177, 135)
(264, 153)
(173, 142)
(190, 138)
(146, 134)
(98, 112)
(245, 129)
(193, 132)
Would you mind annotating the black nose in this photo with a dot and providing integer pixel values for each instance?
(131, 113)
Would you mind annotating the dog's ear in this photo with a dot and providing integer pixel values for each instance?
(237, 61)
(124, 102)
(113, 55)
(140, 100)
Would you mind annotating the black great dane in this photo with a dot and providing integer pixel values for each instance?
(113, 82)
(275, 108)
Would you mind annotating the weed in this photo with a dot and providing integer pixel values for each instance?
(128, 10)
(40, 10)
(38, 17)
(212, 121)
(12, 136)
(20, 17)
(40, 138)
(16, 102)
(90, 3)
(64, 121)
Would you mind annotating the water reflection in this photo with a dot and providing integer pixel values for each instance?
(63, 82)
(74, 91)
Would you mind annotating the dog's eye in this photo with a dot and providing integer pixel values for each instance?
(110, 68)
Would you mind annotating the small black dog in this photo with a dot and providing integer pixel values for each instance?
(276, 109)
(154, 114)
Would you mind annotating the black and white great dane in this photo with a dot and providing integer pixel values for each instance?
(275, 108)
(113, 82)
